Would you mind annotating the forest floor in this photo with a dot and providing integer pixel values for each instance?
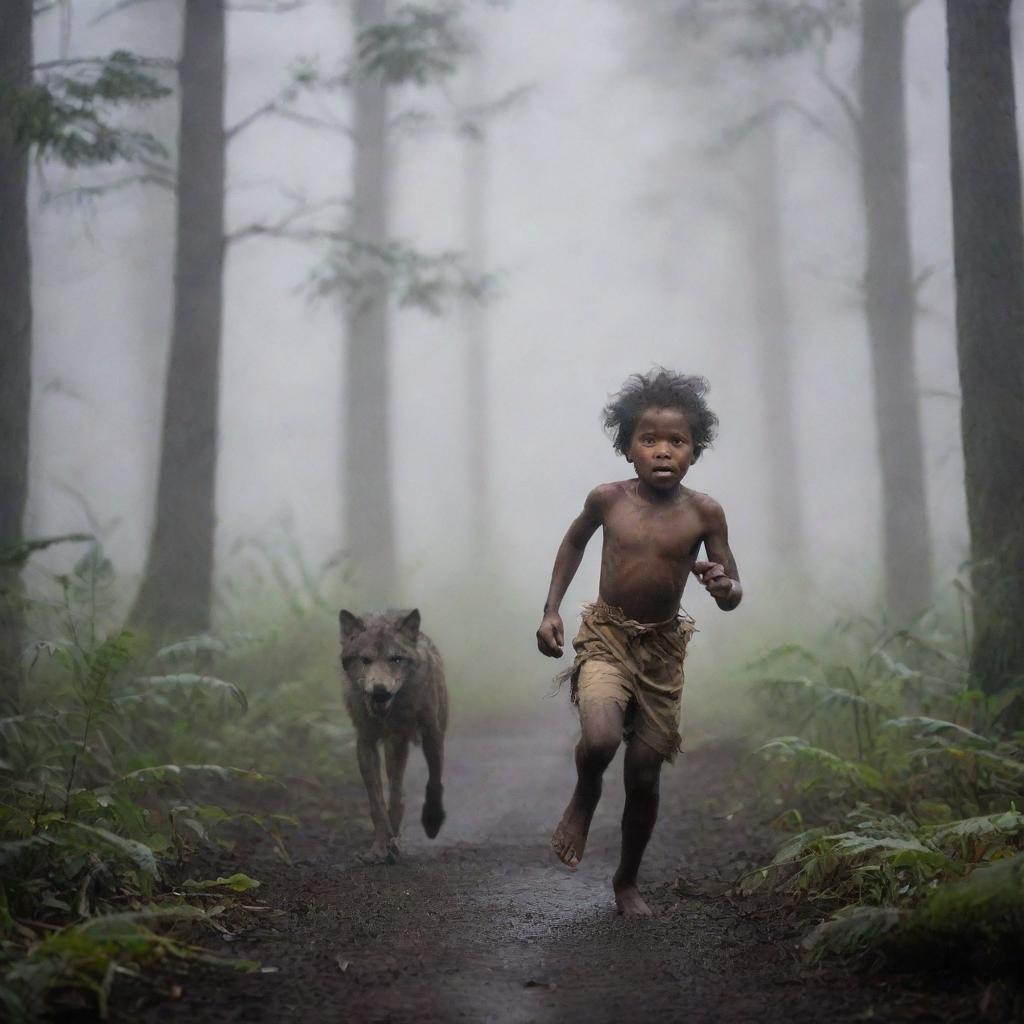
(483, 924)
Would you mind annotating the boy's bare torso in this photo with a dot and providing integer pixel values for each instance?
(651, 540)
(649, 548)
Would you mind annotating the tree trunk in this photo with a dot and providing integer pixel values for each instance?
(475, 325)
(176, 589)
(989, 260)
(773, 324)
(366, 437)
(890, 307)
(15, 341)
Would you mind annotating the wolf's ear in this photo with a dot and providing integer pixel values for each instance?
(410, 624)
(350, 624)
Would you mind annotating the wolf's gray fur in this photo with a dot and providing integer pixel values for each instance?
(395, 693)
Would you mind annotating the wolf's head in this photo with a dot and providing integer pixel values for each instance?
(379, 654)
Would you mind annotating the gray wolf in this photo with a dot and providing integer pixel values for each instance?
(395, 693)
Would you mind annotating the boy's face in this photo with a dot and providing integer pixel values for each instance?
(661, 449)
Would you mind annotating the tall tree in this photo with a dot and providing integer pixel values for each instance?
(474, 197)
(59, 110)
(889, 298)
(773, 323)
(772, 30)
(368, 507)
(15, 335)
(419, 45)
(177, 583)
(989, 261)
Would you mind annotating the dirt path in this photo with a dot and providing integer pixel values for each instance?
(483, 925)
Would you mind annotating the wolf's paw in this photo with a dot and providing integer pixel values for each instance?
(382, 853)
(433, 812)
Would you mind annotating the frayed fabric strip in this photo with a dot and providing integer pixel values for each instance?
(637, 664)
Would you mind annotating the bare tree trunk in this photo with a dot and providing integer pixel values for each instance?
(890, 307)
(15, 340)
(773, 323)
(367, 501)
(989, 258)
(177, 584)
(475, 324)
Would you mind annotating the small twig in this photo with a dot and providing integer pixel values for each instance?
(119, 6)
(274, 108)
(283, 228)
(843, 98)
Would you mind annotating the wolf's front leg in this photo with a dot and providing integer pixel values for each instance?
(385, 846)
(396, 754)
(433, 807)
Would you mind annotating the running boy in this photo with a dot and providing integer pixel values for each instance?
(628, 674)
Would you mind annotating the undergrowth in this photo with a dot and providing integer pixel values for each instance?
(901, 787)
(122, 762)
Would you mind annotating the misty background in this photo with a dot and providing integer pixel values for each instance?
(616, 216)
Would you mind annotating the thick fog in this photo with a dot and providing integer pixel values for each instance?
(614, 224)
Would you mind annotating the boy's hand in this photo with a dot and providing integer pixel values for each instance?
(550, 636)
(715, 579)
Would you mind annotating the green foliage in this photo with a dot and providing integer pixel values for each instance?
(69, 113)
(91, 815)
(975, 924)
(88, 957)
(418, 45)
(765, 29)
(904, 781)
(354, 270)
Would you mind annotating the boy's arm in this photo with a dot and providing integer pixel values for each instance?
(550, 635)
(718, 573)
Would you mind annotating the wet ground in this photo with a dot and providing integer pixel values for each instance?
(482, 924)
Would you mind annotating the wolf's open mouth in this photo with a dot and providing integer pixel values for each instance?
(379, 705)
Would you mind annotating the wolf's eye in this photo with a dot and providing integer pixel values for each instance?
(397, 659)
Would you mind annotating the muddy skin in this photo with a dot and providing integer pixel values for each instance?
(481, 924)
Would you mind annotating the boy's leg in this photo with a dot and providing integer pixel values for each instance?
(642, 776)
(601, 732)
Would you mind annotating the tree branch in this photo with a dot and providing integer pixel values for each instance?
(271, 7)
(288, 226)
(119, 6)
(88, 193)
(275, 109)
(840, 95)
(70, 62)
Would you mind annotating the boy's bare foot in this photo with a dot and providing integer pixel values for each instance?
(570, 837)
(630, 903)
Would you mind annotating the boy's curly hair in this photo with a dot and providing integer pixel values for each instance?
(660, 389)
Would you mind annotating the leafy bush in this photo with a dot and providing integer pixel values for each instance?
(903, 783)
(96, 805)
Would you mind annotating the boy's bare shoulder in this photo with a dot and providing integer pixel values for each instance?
(603, 496)
(710, 510)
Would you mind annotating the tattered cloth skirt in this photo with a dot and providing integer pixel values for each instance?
(638, 665)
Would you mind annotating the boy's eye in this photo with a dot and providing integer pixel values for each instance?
(396, 659)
